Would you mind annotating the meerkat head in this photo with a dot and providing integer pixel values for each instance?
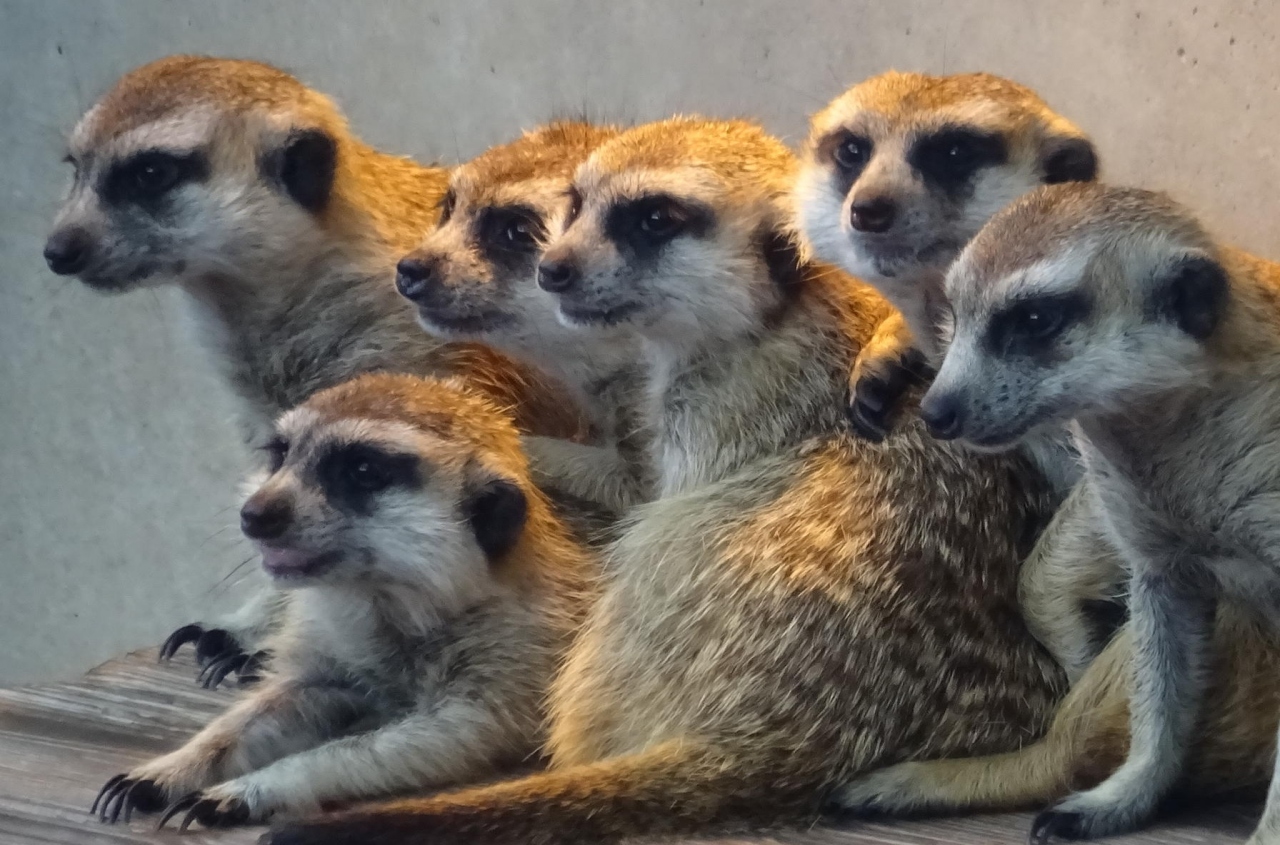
(191, 166)
(903, 169)
(389, 479)
(677, 229)
(1074, 301)
(475, 276)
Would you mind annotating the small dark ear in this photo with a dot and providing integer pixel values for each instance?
(496, 511)
(1070, 159)
(304, 166)
(1193, 295)
(782, 257)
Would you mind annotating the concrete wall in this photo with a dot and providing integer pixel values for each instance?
(118, 461)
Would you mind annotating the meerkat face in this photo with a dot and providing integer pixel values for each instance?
(903, 169)
(474, 277)
(1075, 301)
(675, 230)
(389, 480)
(193, 167)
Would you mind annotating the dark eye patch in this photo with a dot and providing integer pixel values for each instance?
(446, 206)
(352, 475)
(1030, 326)
(145, 178)
(644, 226)
(848, 153)
(508, 233)
(277, 450)
(950, 158)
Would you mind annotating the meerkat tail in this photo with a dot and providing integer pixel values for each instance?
(671, 789)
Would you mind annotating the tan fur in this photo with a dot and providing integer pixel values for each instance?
(798, 606)
(415, 660)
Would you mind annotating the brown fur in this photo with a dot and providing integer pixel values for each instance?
(799, 606)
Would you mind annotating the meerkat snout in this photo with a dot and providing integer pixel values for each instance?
(558, 274)
(943, 415)
(266, 516)
(418, 277)
(873, 215)
(68, 251)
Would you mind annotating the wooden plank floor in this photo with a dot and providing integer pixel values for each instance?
(60, 742)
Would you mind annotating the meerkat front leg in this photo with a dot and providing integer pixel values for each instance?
(448, 744)
(886, 368)
(279, 719)
(594, 473)
(1071, 587)
(1171, 621)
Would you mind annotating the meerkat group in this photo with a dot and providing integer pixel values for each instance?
(790, 608)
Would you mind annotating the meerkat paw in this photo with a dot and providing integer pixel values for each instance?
(887, 367)
(236, 802)
(220, 654)
(1089, 815)
(151, 786)
(894, 790)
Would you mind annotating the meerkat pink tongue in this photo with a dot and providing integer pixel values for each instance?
(278, 561)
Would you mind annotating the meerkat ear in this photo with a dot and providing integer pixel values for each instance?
(1069, 158)
(1193, 294)
(496, 509)
(304, 166)
(783, 258)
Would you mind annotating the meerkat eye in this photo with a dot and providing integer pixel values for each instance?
(367, 475)
(660, 221)
(851, 153)
(277, 450)
(445, 208)
(575, 207)
(515, 229)
(1031, 326)
(951, 157)
(148, 176)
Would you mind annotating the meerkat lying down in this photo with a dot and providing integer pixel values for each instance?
(431, 592)
(248, 191)
(797, 606)
(1113, 308)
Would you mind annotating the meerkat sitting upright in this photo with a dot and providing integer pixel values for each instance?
(431, 590)
(475, 278)
(1114, 309)
(244, 187)
(798, 605)
(899, 172)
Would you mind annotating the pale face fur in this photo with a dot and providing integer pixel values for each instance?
(1075, 301)
(929, 159)
(662, 245)
(193, 168)
(372, 503)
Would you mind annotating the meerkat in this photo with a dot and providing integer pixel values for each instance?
(431, 590)
(897, 175)
(248, 190)
(1114, 309)
(796, 605)
(475, 278)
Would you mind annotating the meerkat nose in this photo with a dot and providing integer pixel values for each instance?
(557, 276)
(941, 414)
(265, 518)
(67, 251)
(415, 276)
(874, 215)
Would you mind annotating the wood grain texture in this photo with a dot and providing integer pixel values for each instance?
(60, 742)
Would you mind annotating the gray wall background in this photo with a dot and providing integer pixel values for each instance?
(118, 460)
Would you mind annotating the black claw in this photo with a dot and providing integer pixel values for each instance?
(218, 669)
(184, 803)
(1053, 824)
(105, 789)
(179, 638)
(215, 644)
(251, 671)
